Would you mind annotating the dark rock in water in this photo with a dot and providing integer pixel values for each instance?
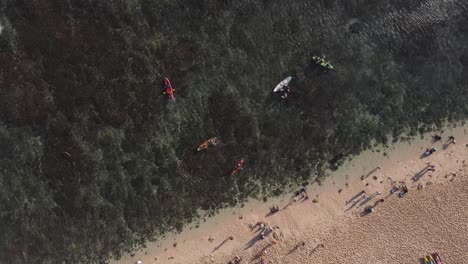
(354, 26)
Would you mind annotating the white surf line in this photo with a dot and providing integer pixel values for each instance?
(429, 13)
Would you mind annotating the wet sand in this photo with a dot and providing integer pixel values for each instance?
(400, 230)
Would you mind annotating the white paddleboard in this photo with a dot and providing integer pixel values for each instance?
(282, 84)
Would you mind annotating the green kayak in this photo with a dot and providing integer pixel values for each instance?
(322, 62)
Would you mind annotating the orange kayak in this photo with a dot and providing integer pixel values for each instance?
(210, 142)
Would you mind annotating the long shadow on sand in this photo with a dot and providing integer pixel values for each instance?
(421, 173)
(354, 204)
(260, 253)
(252, 242)
(269, 214)
(446, 145)
(355, 196)
(220, 245)
(295, 248)
(316, 248)
(370, 173)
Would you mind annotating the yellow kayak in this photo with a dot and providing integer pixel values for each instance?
(426, 260)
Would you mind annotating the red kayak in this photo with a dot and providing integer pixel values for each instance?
(168, 89)
(437, 258)
(238, 167)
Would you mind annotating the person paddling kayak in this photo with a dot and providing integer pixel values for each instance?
(322, 62)
(238, 167)
(168, 89)
(284, 93)
(282, 88)
(210, 142)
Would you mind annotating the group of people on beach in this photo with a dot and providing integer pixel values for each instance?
(436, 138)
(264, 229)
(274, 209)
(302, 192)
(401, 189)
(451, 139)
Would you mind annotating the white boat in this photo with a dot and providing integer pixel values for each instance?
(282, 84)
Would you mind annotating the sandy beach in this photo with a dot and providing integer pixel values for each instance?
(331, 227)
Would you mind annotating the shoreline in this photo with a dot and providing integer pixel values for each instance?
(402, 160)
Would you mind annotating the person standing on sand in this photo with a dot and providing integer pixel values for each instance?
(301, 192)
(452, 139)
(237, 260)
(404, 190)
(369, 209)
(304, 193)
(427, 153)
(274, 209)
